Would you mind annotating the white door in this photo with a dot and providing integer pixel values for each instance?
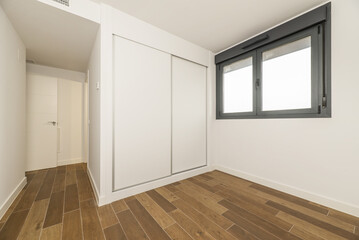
(189, 115)
(41, 122)
(142, 113)
(69, 116)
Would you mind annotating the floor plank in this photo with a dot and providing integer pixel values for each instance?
(149, 225)
(303, 234)
(262, 214)
(84, 188)
(107, 216)
(177, 233)
(119, 206)
(208, 212)
(170, 196)
(190, 226)
(161, 217)
(31, 192)
(166, 205)
(90, 222)
(291, 198)
(250, 227)
(13, 225)
(203, 190)
(329, 219)
(71, 167)
(229, 180)
(71, 198)
(205, 223)
(128, 199)
(314, 221)
(258, 209)
(344, 217)
(204, 199)
(70, 177)
(59, 183)
(34, 221)
(202, 185)
(313, 229)
(245, 195)
(130, 226)
(115, 233)
(55, 211)
(46, 188)
(263, 223)
(52, 233)
(72, 225)
(171, 188)
(240, 233)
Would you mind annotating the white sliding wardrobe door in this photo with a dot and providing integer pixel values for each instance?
(142, 113)
(189, 115)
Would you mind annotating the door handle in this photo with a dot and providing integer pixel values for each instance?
(53, 123)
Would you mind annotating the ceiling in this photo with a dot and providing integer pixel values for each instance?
(52, 37)
(214, 24)
(60, 39)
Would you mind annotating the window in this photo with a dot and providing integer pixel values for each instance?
(283, 73)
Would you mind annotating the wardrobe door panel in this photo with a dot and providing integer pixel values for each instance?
(188, 115)
(142, 113)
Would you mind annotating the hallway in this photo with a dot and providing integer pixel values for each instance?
(51, 204)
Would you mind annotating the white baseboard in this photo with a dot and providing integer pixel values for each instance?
(69, 161)
(99, 199)
(5, 206)
(120, 194)
(313, 197)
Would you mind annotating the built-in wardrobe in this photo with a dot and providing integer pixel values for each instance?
(159, 114)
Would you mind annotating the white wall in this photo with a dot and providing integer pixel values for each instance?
(317, 159)
(70, 121)
(12, 113)
(94, 77)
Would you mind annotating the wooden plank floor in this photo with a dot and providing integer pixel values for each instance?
(59, 203)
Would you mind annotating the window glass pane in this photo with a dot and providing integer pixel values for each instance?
(286, 76)
(238, 86)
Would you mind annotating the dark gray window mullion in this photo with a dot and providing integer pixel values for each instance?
(322, 88)
(316, 73)
(258, 79)
(219, 91)
(326, 35)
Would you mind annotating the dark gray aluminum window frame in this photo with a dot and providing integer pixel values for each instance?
(317, 24)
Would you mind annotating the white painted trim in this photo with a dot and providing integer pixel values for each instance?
(154, 184)
(313, 197)
(99, 199)
(69, 161)
(56, 72)
(6, 205)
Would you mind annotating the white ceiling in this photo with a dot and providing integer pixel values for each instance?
(52, 37)
(214, 24)
(60, 39)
